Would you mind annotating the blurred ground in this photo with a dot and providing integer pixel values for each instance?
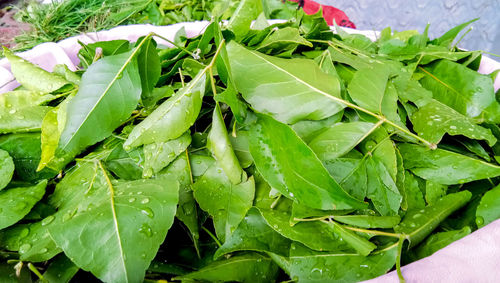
(9, 28)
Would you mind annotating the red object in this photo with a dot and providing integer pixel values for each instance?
(329, 13)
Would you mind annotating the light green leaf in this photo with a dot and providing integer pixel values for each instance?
(350, 173)
(158, 155)
(6, 169)
(99, 225)
(382, 189)
(226, 202)
(254, 234)
(339, 139)
(368, 221)
(412, 196)
(459, 87)
(276, 86)
(307, 130)
(310, 266)
(33, 77)
(173, 117)
(15, 203)
(434, 191)
(299, 176)
(419, 223)
(448, 38)
(148, 63)
(445, 167)
(245, 13)
(241, 148)
(367, 87)
(287, 38)
(250, 267)
(26, 119)
(109, 92)
(489, 207)
(18, 99)
(435, 119)
(222, 150)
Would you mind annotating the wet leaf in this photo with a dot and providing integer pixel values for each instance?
(6, 168)
(489, 208)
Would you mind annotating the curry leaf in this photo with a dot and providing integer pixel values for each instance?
(439, 240)
(445, 167)
(118, 215)
(300, 177)
(173, 117)
(275, 86)
(15, 203)
(488, 209)
(6, 168)
(33, 77)
(226, 202)
(222, 149)
(367, 87)
(418, 224)
(158, 155)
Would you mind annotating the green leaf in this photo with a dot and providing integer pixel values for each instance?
(308, 130)
(158, 155)
(276, 86)
(437, 241)
(26, 119)
(173, 117)
(367, 221)
(245, 13)
(448, 38)
(241, 148)
(412, 196)
(32, 241)
(226, 202)
(15, 203)
(459, 87)
(250, 267)
(6, 168)
(89, 52)
(489, 207)
(149, 67)
(254, 234)
(111, 217)
(222, 150)
(109, 92)
(382, 189)
(445, 167)
(17, 99)
(277, 213)
(125, 165)
(435, 119)
(33, 77)
(418, 224)
(187, 209)
(287, 38)
(367, 87)
(299, 176)
(61, 270)
(230, 97)
(350, 173)
(434, 191)
(340, 138)
(25, 152)
(309, 266)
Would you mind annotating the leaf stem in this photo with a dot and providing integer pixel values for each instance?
(398, 259)
(37, 273)
(212, 236)
(175, 44)
(374, 232)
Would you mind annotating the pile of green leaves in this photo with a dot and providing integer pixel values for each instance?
(61, 19)
(273, 153)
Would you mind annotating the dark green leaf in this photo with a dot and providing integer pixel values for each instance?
(438, 241)
(148, 63)
(61, 270)
(15, 203)
(6, 168)
(489, 207)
